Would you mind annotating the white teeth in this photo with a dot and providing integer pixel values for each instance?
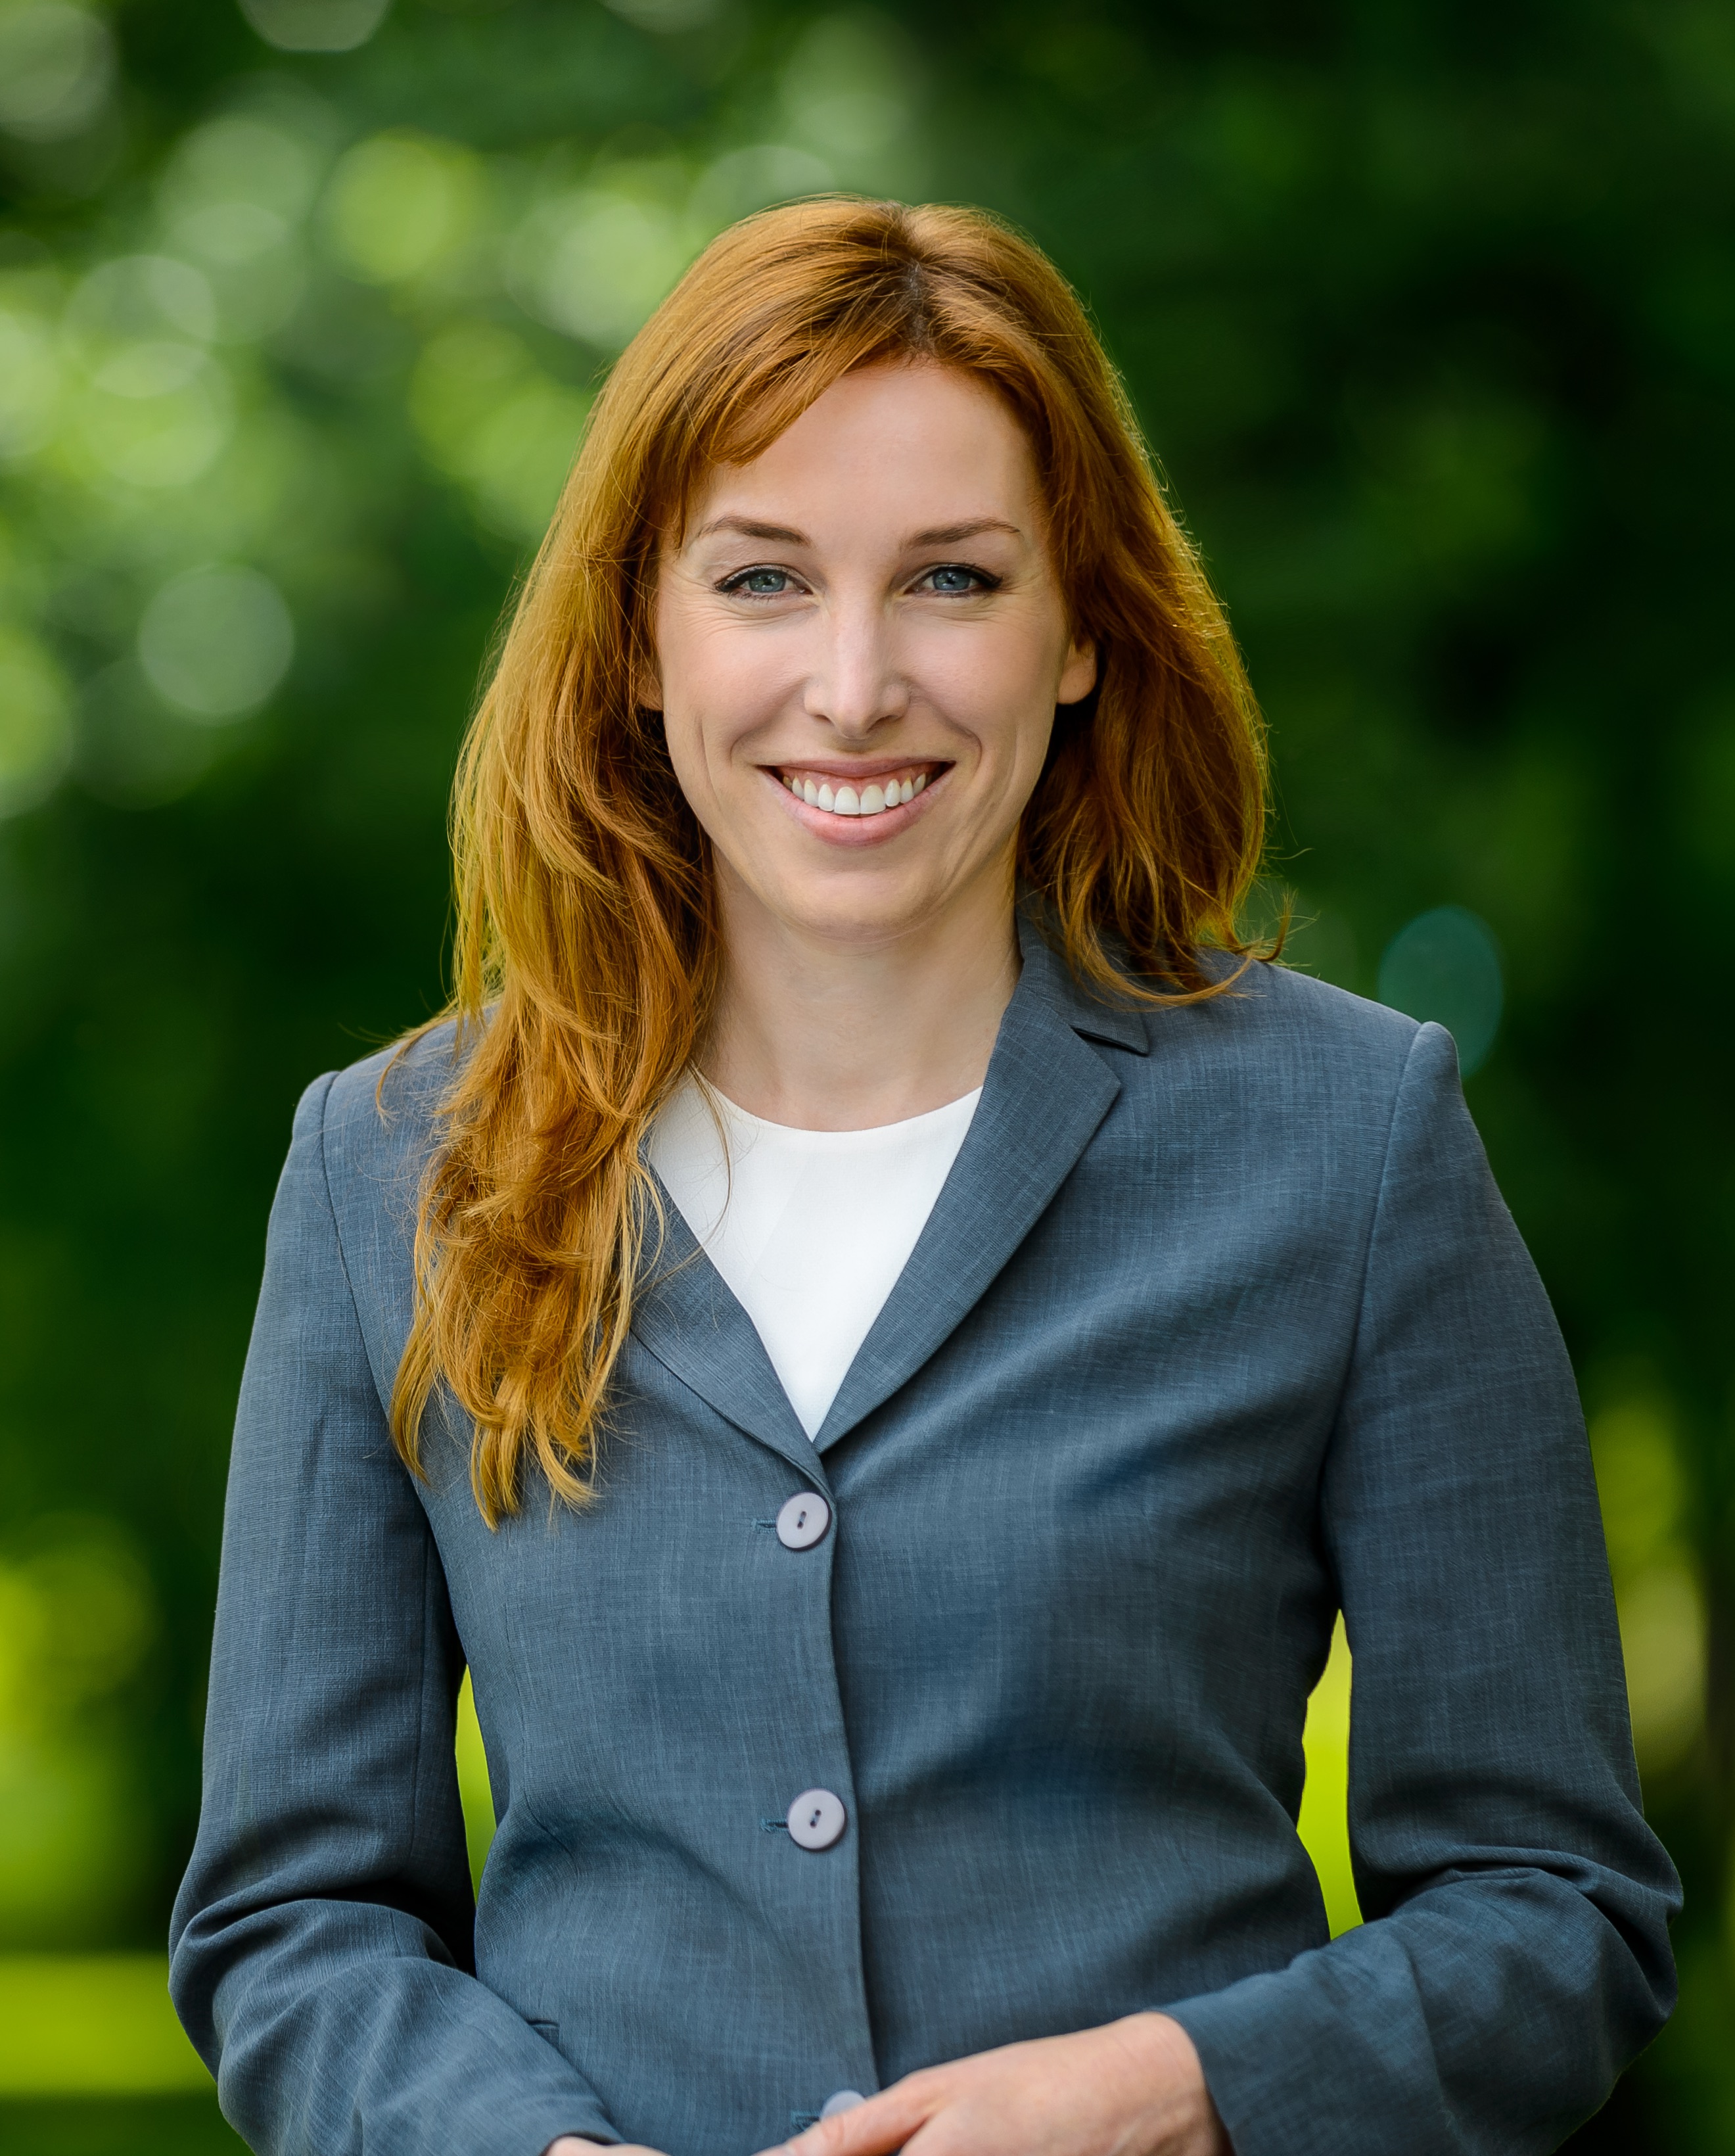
(873, 799)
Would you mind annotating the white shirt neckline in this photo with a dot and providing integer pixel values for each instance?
(810, 1229)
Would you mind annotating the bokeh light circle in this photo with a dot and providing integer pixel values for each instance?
(1445, 966)
(216, 641)
(315, 26)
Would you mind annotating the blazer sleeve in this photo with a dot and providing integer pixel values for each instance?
(322, 1941)
(1515, 1955)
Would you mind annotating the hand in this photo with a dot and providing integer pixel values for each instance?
(572, 2144)
(1134, 2088)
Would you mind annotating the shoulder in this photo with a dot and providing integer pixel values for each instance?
(362, 1139)
(375, 1123)
(1264, 1015)
(1279, 1054)
(1269, 1012)
(1267, 1033)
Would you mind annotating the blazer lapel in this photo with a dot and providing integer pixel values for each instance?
(688, 1319)
(1044, 1095)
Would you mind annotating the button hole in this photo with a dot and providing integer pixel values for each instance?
(774, 1827)
(801, 2120)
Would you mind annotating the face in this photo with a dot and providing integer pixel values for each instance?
(860, 644)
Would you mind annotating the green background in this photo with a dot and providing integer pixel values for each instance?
(1428, 309)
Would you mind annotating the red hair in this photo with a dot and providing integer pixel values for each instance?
(586, 957)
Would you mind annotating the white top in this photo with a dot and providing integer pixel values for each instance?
(810, 1229)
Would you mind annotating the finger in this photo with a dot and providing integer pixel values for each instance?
(878, 2127)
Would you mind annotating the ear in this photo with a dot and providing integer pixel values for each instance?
(1078, 676)
(646, 662)
(647, 683)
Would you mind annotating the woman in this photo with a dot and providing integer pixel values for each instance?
(900, 1331)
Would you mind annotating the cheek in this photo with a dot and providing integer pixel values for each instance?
(712, 681)
(997, 681)
(717, 676)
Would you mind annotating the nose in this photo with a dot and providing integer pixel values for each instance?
(856, 684)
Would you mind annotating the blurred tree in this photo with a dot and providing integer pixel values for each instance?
(1430, 312)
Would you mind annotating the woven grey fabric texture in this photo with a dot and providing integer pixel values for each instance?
(1219, 1322)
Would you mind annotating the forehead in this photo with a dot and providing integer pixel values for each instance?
(896, 440)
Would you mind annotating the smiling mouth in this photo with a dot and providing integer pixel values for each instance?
(835, 795)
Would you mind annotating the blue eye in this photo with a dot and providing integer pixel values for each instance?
(953, 581)
(760, 583)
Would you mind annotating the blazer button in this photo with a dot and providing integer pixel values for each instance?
(803, 1522)
(845, 2100)
(816, 1819)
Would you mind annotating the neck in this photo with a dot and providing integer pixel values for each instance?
(827, 1036)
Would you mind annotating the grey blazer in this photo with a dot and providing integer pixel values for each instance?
(1218, 1324)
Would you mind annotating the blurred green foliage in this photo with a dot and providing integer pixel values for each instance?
(92, 2023)
(142, 2125)
(1428, 310)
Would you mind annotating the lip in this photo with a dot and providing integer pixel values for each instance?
(860, 769)
(854, 832)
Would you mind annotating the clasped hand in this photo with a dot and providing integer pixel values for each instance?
(1133, 2088)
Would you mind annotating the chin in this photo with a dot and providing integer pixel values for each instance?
(857, 909)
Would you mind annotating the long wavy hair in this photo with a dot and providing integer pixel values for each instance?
(587, 951)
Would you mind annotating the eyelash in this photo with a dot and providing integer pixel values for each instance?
(735, 586)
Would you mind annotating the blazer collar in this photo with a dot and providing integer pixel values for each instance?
(688, 1319)
(1044, 1096)
(1045, 974)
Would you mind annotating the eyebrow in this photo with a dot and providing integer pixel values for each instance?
(951, 535)
(749, 527)
(942, 535)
